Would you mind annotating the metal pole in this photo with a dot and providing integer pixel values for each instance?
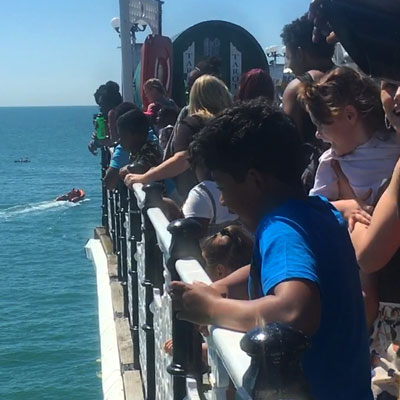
(126, 51)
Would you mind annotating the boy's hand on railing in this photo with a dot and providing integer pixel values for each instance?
(194, 302)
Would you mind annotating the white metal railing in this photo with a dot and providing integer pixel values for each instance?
(226, 359)
(151, 252)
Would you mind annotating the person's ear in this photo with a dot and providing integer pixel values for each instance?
(351, 114)
(256, 179)
(300, 55)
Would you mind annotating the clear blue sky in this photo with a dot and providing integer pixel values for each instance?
(58, 52)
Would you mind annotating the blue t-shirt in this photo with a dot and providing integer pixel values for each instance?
(308, 239)
(120, 158)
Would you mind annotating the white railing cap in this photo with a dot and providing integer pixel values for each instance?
(225, 342)
(160, 224)
(139, 193)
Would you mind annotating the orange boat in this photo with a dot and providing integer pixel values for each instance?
(73, 196)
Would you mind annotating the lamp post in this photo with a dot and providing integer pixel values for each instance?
(126, 49)
(273, 52)
(134, 16)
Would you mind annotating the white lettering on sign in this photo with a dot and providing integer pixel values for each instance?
(188, 60)
(236, 68)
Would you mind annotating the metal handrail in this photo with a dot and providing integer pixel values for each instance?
(157, 252)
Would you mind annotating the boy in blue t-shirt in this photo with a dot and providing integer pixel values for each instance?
(304, 271)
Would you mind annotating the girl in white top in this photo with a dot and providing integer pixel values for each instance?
(203, 202)
(346, 109)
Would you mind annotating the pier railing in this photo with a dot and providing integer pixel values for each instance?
(152, 252)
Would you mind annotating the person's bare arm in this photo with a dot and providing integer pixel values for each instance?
(376, 245)
(235, 285)
(170, 168)
(295, 302)
(112, 126)
(291, 105)
(354, 211)
(111, 179)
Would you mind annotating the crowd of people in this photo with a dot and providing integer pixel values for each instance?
(311, 184)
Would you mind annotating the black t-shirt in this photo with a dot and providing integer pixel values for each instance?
(185, 132)
(388, 281)
(180, 140)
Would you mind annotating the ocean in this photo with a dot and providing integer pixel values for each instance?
(49, 339)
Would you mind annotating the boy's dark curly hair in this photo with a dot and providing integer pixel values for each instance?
(133, 121)
(252, 135)
(299, 34)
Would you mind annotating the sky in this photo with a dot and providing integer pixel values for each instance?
(58, 52)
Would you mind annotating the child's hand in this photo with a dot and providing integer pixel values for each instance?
(322, 30)
(123, 172)
(194, 302)
(168, 347)
(353, 211)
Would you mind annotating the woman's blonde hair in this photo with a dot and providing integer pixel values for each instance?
(208, 97)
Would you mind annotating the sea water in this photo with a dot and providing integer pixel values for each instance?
(49, 340)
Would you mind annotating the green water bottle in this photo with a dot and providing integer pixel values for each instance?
(101, 127)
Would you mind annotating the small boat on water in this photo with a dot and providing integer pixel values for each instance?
(22, 160)
(73, 196)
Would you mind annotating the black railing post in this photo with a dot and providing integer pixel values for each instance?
(153, 269)
(104, 206)
(186, 358)
(135, 235)
(111, 219)
(123, 255)
(154, 192)
(275, 371)
(117, 231)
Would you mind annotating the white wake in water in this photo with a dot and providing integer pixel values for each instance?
(35, 208)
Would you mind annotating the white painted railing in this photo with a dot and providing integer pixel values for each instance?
(152, 252)
(149, 305)
(226, 359)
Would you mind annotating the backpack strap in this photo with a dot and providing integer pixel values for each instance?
(306, 78)
(193, 122)
(214, 206)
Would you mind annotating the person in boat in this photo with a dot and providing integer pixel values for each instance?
(73, 194)
(304, 271)
(139, 141)
(309, 61)
(108, 97)
(120, 156)
(208, 96)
